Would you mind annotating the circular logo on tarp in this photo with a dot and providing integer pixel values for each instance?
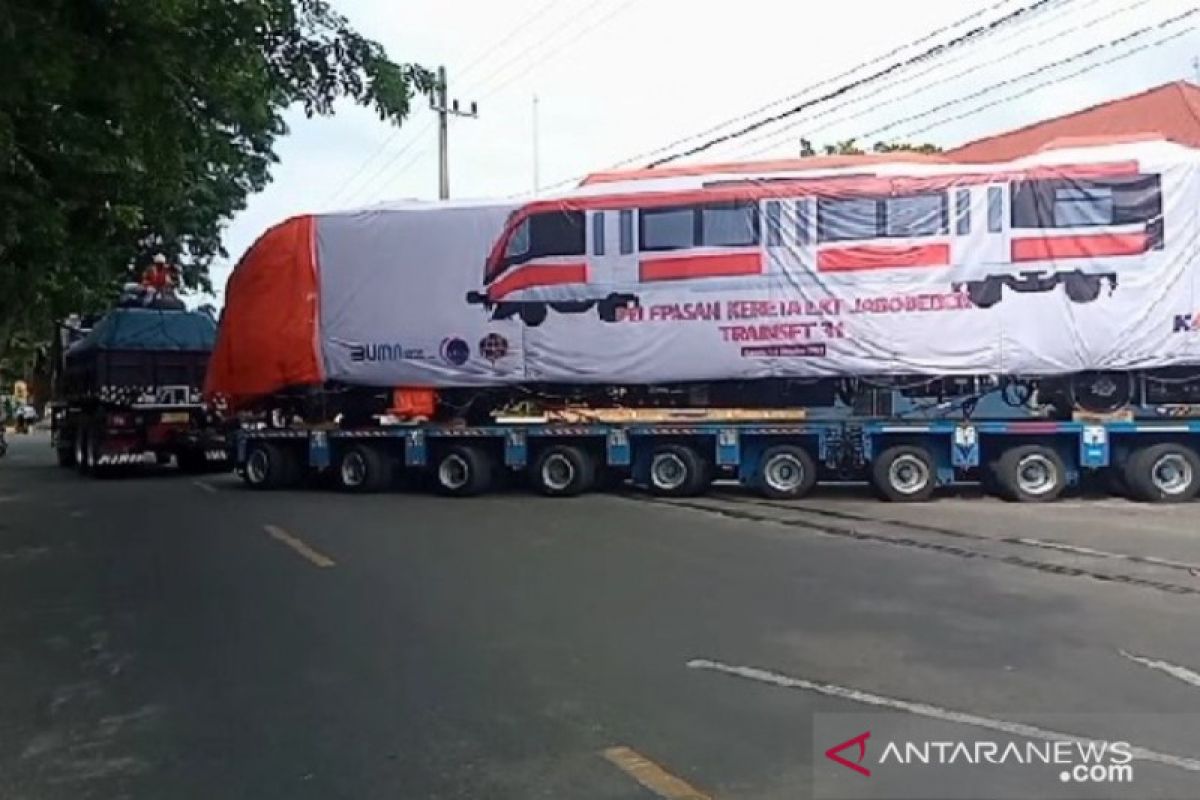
(455, 351)
(493, 347)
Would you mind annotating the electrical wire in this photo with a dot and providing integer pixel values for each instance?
(811, 87)
(969, 37)
(777, 137)
(1091, 51)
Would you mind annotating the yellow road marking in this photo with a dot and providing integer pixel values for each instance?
(652, 776)
(317, 559)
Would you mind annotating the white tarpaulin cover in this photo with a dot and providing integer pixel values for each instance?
(1073, 259)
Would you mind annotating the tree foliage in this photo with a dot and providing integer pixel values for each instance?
(129, 127)
(850, 147)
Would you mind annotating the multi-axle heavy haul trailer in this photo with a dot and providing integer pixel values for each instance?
(1025, 460)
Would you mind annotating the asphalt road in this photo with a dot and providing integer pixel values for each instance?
(167, 637)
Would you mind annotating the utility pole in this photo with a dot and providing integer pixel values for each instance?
(537, 183)
(445, 109)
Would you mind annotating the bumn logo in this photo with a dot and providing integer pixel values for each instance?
(1187, 323)
(376, 352)
(860, 741)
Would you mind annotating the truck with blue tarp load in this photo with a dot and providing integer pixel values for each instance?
(127, 391)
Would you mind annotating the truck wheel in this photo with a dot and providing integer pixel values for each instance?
(563, 470)
(95, 447)
(677, 470)
(364, 469)
(1163, 473)
(81, 450)
(269, 466)
(1081, 288)
(1031, 473)
(464, 471)
(904, 474)
(66, 455)
(786, 472)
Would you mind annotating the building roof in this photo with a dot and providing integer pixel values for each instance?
(1170, 111)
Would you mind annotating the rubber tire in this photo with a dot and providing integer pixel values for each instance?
(80, 447)
(808, 469)
(379, 467)
(1114, 481)
(581, 461)
(65, 456)
(481, 471)
(95, 469)
(881, 480)
(697, 471)
(282, 469)
(1138, 473)
(1007, 477)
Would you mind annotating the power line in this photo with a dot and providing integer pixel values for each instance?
(542, 59)
(959, 41)
(556, 50)
(1044, 84)
(811, 87)
(1032, 73)
(774, 138)
(513, 32)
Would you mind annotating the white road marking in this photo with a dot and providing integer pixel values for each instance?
(208, 487)
(927, 710)
(1174, 670)
(1091, 551)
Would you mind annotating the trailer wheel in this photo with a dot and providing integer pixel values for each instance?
(786, 472)
(1163, 473)
(1031, 473)
(564, 470)
(364, 469)
(904, 474)
(269, 466)
(94, 446)
(677, 470)
(464, 471)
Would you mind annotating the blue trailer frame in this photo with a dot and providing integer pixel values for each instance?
(938, 452)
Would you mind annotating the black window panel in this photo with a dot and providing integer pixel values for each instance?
(671, 228)
(774, 225)
(995, 210)
(556, 233)
(840, 220)
(728, 225)
(962, 203)
(625, 224)
(1061, 202)
(598, 233)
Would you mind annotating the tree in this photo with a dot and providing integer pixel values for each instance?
(129, 127)
(849, 147)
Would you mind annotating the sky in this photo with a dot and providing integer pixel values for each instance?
(615, 79)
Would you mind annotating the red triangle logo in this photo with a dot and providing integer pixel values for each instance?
(834, 753)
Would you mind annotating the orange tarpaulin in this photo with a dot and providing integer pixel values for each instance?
(268, 334)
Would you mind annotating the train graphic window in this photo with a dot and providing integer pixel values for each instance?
(850, 219)
(1065, 203)
(553, 233)
(685, 227)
